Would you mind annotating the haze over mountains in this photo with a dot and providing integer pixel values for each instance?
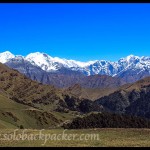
(64, 73)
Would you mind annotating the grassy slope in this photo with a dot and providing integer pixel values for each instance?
(107, 137)
(14, 88)
(13, 114)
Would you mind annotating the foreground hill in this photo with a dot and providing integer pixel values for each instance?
(16, 115)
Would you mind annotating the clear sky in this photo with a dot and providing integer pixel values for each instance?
(76, 31)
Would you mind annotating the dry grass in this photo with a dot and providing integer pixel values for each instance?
(107, 137)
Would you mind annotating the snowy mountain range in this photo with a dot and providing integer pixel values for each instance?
(48, 63)
(130, 68)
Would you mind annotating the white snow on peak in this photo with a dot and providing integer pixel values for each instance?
(48, 63)
(129, 58)
(42, 60)
(72, 63)
(132, 57)
(5, 56)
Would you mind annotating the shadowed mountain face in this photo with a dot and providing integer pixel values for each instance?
(132, 75)
(101, 81)
(26, 68)
(129, 99)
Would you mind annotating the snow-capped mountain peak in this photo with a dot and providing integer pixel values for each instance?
(48, 63)
(38, 55)
(42, 60)
(131, 58)
(5, 56)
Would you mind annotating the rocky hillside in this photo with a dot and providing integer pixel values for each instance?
(23, 90)
(133, 99)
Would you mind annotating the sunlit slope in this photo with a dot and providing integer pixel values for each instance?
(13, 114)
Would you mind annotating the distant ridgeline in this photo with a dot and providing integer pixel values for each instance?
(64, 73)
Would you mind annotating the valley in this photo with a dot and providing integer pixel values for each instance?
(33, 98)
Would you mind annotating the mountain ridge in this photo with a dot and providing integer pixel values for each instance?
(130, 99)
(130, 68)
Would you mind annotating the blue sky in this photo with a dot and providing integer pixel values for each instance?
(76, 31)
